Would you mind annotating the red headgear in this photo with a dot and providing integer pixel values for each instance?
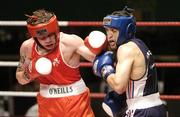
(44, 28)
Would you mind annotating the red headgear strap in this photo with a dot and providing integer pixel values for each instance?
(44, 28)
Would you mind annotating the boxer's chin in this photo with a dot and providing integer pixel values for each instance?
(113, 46)
(50, 47)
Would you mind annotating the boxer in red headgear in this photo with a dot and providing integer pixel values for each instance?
(41, 30)
(53, 58)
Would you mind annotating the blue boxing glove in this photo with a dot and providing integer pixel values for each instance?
(115, 104)
(103, 65)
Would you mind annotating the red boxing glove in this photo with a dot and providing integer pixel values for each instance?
(38, 67)
(96, 42)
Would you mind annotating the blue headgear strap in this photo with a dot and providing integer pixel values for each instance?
(125, 24)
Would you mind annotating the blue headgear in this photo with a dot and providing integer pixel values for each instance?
(125, 24)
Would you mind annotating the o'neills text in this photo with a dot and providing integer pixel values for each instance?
(62, 90)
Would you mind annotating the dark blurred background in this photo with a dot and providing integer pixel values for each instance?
(163, 41)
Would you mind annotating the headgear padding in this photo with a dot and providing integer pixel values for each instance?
(44, 28)
(125, 24)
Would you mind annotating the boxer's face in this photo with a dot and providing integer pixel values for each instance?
(48, 42)
(112, 36)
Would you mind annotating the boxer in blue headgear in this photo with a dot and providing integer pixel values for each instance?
(125, 23)
(128, 70)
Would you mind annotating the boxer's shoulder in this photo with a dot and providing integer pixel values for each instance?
(70, 40)
(26, 48)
